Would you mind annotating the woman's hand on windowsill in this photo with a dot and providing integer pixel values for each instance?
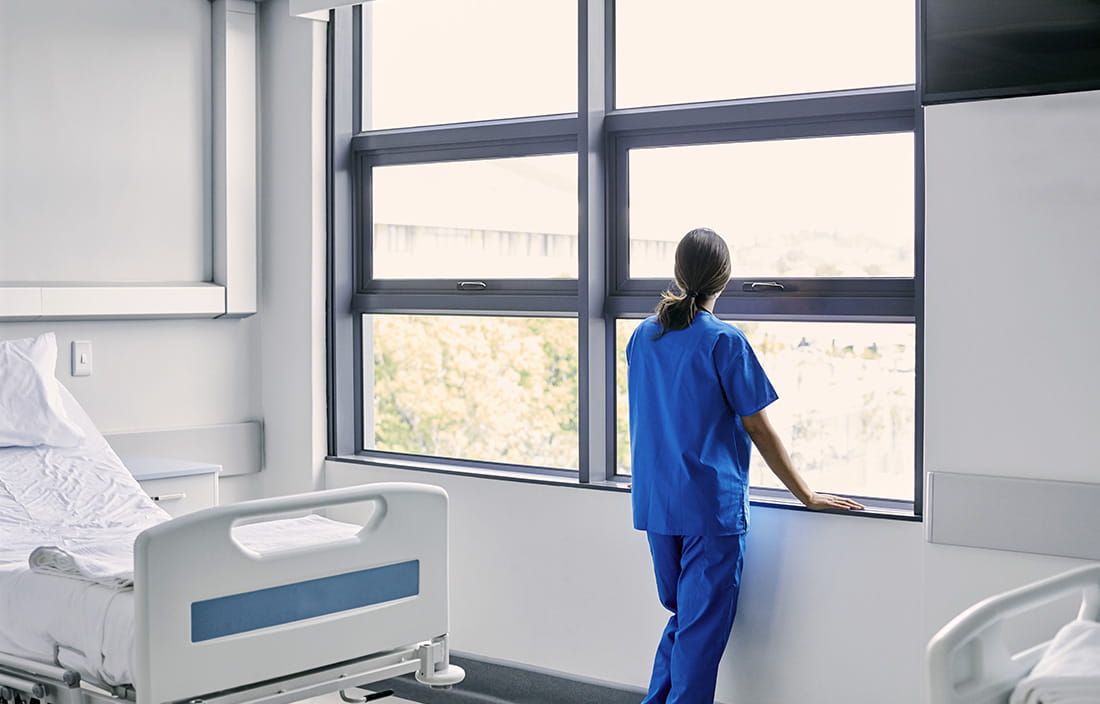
(824, 502)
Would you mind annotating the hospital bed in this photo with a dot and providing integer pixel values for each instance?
(262, 601)
(193, 560)
(968, 661)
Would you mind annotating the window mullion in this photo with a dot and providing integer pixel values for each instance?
(344, 384)
(596, 463)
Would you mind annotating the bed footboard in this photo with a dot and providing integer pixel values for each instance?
(968, 661)
(213, 617)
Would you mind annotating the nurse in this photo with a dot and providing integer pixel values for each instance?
(697, 400)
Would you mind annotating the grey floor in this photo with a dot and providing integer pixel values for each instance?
(495, 683)
(335, 699)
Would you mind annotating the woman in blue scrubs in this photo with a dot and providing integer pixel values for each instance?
(697, 400)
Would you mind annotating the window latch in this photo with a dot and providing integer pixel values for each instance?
(753, 286)
(471, 286)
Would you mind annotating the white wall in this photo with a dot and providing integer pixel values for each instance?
(104, 176)
(1013, 219)
(555, 577)
(153, 374)
(103, 135)
(292, 246)
(159, 373)
(1012, 251)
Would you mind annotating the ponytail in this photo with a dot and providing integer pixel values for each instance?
(676, 311)
(702, 270)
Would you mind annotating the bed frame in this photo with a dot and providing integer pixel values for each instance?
(219, 624)
(968, 661)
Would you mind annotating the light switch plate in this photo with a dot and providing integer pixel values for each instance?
(82, 358)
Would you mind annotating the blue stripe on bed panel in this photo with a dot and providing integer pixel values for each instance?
(248, 611)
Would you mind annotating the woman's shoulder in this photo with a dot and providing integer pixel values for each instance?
(719, 328)
(725, 336)
(646, 329)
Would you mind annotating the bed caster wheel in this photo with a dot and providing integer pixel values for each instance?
(442, 679)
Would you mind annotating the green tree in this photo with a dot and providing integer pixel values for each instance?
(491, 389)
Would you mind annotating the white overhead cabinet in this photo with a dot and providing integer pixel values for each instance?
(128, 187)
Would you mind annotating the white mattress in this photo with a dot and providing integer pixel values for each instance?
(85, 496)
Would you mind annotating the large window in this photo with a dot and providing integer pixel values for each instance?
(521, 173)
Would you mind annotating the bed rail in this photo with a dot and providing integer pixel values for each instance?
(968, 661)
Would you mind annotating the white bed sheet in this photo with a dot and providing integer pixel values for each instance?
(84, 496)
(79, 625)
(68, 497)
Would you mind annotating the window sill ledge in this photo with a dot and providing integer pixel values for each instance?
(764, 498)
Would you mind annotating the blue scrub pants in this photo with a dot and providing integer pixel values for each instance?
(698, 580)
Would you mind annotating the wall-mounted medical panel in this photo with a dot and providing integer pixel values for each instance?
(236, 447)
(1008, 513)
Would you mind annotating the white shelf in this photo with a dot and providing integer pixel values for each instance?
(26, 302)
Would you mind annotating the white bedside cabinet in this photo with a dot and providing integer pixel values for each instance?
(179, 486)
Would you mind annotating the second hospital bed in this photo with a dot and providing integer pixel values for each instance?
(968, 661)
(284, 608)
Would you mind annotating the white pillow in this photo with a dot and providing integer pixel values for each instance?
(31, 409)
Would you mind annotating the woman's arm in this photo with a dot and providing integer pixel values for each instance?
(771, 448)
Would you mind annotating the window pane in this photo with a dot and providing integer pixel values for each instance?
(476, 388)
(440, 61)
(492, 218)
(699, 50)
(836, 206)
(845, 409)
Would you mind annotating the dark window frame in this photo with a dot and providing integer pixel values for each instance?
(604, 292)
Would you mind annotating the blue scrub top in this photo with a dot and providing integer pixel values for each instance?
(689, 451)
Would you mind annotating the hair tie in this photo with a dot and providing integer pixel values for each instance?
(691, 294)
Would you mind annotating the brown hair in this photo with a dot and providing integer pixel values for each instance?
(702, 270)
